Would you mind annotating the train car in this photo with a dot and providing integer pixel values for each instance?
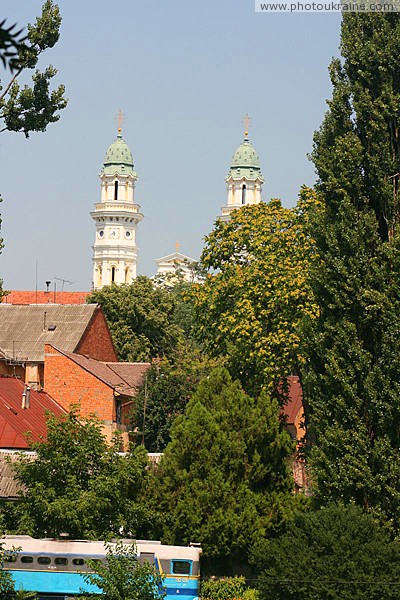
(53, 568)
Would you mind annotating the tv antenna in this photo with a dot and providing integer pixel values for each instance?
(64, 281)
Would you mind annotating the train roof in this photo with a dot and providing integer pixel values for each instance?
(30, 545)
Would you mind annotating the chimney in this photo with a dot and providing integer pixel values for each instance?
(26, 397)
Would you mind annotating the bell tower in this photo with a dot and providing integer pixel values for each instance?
(116, 216)
(244, 180)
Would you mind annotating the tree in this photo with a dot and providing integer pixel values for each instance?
(80, 485)
(142, 319)
(335, 552)
(11, 44)
(30, 109)
(256, 293)
(122, 577)
(164, 395)
(224, 478)
(350, 376)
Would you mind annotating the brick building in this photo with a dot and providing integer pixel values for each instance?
(25, 329)
(105, 389)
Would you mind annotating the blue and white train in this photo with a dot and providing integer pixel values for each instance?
(53, 568)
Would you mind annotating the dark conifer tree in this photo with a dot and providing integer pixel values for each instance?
(352, 374)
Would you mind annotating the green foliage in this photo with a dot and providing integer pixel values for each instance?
(122, 577)
(227, 588)
(144, 320)
(80, 485)
(251, 303)
(334, 553)
(165, 394)
(224, 479)
(28, 108)
(11, 44)
(350, 376)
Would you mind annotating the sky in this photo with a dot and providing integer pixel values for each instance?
(184, 74)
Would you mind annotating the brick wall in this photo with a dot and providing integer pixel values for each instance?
(96, 341)
(68, 384)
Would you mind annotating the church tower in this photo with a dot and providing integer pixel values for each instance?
(244, 180)
(116, 216)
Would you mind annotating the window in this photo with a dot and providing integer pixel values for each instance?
(119, 410)
(244, 194)
(113, 274)
(60, 560)
(27, 559)
(181, 567)
(78, 561)
(116, 190)
(44, 560)
(11, 558)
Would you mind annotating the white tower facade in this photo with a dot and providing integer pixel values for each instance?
(244, 180)
(116, 216)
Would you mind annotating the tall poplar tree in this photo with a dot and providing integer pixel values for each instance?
(351, 378)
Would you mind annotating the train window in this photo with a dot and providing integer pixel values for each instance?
(27, 559)
(11, 558)
(78, 561)
(44, 560)
(181, 567)
(60, 560)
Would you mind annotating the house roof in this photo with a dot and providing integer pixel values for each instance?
(175, 257)
(10, 487)
(295, 400)
(24, 330)
(15, 421)
(42, 297)
(125, 378)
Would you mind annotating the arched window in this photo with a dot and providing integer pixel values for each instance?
(244, 193)
(112, 274)
(99, 276)
(116, 190)
(127, 275)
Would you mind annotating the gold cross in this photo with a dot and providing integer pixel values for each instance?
(120, 118)
(247, 123)
(177, 245)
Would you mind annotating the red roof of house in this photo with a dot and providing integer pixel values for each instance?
(126, 377)
(41, 297)
(295, 399)
(15, 421)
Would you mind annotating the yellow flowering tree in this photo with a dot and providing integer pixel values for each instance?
(256, 291)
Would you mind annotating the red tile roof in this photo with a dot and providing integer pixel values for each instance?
(15, 421)
(126, 378)
(295, 399)
(41, 297)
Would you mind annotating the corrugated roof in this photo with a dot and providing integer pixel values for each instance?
(9, 487)
(16, 422)
(125, 377)
(42, 297)
(24, 330)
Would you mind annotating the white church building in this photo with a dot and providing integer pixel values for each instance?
(116, 215)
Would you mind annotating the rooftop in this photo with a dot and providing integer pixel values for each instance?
(16, 422)
(24, 330)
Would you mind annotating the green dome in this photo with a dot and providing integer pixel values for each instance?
(245, 162)
(118, 158)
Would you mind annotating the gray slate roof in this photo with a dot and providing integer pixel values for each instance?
(9, 487)
(24, 330)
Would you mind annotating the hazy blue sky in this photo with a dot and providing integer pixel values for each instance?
(184, 73)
